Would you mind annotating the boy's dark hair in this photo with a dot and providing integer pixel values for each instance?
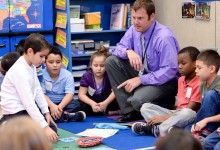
(148, 5)
(37, 42)
(210, 57)
(20, 47)
(8, 60)
(193, 52)
(56, 51)
(178, 140)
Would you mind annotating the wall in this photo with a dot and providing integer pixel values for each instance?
(199, 33)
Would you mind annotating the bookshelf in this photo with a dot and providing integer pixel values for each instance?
(103, 6)
(114, 36)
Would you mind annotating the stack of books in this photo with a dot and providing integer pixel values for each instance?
(121, 17)
(92, 21)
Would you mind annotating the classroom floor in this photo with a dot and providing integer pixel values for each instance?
(122, 140)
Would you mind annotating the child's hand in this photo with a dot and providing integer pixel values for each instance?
(157, 119)
(49, 120)
(103, 106)
(199, 125)
(95, 107)
(53, 137)
(218, 130)
(55, 111)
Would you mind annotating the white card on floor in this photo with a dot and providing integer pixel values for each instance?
(69, 139)
(98, 132)
(147, 148)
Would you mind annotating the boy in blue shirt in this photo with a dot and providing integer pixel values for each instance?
(58, 87)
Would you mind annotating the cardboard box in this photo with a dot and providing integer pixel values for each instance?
(92, 18)
(77, 25)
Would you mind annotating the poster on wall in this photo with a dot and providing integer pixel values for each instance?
(188, 9)
(203, 10)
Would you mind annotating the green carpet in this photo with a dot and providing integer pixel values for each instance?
(72, 145)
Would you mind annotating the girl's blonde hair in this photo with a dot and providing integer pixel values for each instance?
(102, 51)
(23, 133)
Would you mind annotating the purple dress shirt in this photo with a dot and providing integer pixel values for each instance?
(161, 53)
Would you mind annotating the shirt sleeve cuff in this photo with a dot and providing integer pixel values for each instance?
(43, 123)
(44, 110)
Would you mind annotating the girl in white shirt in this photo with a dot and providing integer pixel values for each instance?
(21, 93)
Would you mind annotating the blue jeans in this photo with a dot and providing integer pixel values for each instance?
(71, 108)
(210, 107)
(212, 141)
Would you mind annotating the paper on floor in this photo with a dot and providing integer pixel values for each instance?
(98, 132)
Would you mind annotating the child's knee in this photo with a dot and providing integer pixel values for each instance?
(146, 106)
(207, 143)
(187, 112)
(211, 93)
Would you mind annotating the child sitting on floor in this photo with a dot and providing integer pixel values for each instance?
(21, 93)
(6, 62)
(58, 87)
(208, 117)
(95, 93)
(160, 120)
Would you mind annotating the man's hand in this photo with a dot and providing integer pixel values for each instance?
(134, 59)
(130, 84)
(158, 119)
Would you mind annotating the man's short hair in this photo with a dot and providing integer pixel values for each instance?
(210, 57)
(148, 5)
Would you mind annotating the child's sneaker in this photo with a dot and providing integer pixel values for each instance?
(201, 135)
(144, 128)
(77, 116)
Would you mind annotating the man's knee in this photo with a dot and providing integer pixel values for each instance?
(136, 104)
(110, 60)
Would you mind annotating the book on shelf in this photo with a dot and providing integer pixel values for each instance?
(79, 67)
(75, 11)
(77, 84)
(129, 17)
(117, 14)
(90, 30)
(125, 16)
(78, 73)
